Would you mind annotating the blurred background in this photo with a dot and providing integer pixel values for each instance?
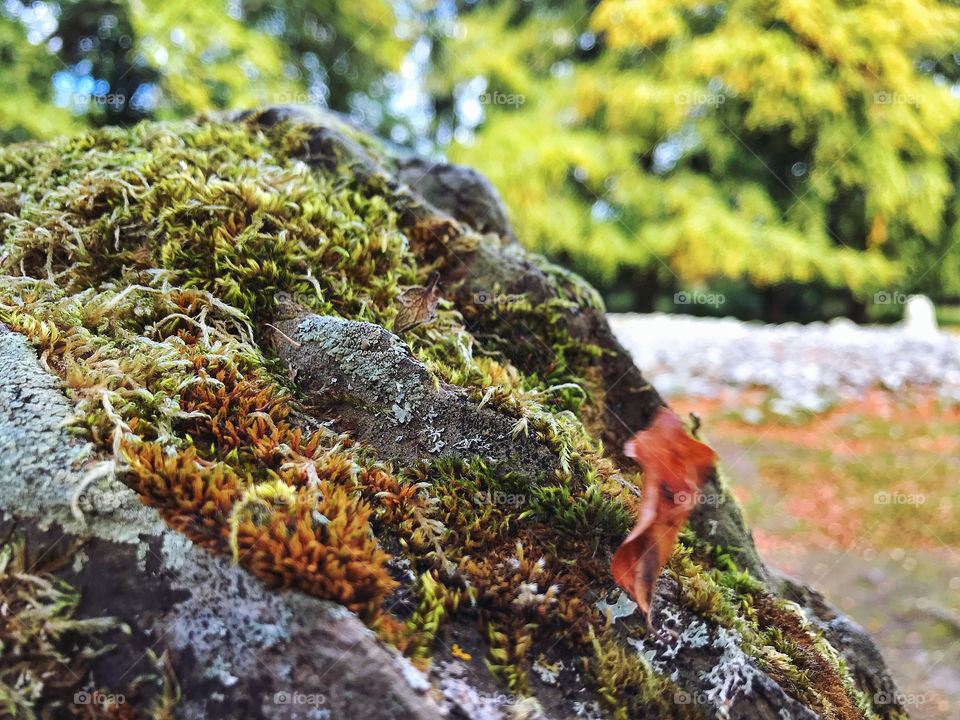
(788, 162)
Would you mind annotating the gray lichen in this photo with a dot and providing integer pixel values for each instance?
(369, 381)
(44, 471)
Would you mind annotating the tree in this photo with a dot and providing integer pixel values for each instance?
(25, 72)
(120, 61)
(804, 141)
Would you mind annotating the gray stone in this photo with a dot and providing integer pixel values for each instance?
(459, 191)
(366, 380)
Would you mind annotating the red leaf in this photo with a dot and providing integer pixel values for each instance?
(675, 467)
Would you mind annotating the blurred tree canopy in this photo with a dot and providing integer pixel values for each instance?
(25, 72)
(118, 61)
(669, 144)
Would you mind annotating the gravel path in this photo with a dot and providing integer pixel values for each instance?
(805, 367)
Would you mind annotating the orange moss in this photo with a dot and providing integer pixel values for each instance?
(316, 538)
(321, 543)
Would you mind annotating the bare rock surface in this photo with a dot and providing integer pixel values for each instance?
(370, 382)
(460, 191)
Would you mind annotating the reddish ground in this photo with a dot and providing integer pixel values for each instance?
(860, 501)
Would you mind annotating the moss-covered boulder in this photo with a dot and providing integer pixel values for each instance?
(266, 498)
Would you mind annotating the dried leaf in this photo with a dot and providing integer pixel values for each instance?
(418, 305)
(675, 467)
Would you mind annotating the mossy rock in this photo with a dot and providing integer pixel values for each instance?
(211, 306)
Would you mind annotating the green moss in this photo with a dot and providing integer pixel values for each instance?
(140, 263)
(630, 687)
(437, 602)
(45, 650)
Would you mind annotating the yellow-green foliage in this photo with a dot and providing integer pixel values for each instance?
(630, 687)
(113, 62)
(37, 622)
(25, 72)
(209, 58)
(765, 141)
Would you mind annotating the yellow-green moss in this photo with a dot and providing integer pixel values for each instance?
(139, 263)
(45, 651)
(630, 687)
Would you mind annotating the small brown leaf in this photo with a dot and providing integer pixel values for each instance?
(675, 467)
(418, 305)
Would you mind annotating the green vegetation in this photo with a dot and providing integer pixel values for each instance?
(794, 157)
(25, 71)
(70, 63)
(630, 687)
(657, 146)
(146, 290)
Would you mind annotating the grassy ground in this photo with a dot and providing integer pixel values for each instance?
(861, 502)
